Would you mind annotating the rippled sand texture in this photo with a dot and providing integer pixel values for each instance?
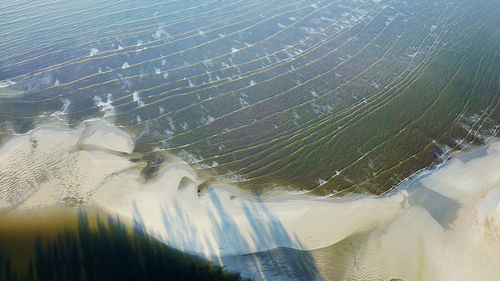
(55, 164)
(327, 96)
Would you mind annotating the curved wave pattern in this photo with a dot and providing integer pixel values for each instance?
(309, 94)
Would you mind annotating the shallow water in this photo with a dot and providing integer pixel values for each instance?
(299, 94)
(255, 134)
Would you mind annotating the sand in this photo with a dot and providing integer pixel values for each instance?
(220, 222)
(421, 244)
(444, 225)
(48, 165)
(90, 165)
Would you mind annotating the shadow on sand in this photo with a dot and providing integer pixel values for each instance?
(110, 251)
(281, 262)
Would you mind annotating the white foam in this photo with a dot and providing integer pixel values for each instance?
(135, 96)
(61, 113)
(171, 123)
(243, 103)
(107, 106)
(7, 83)
(160, 33)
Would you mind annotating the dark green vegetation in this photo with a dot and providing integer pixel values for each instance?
(330, 96)
(108, 252)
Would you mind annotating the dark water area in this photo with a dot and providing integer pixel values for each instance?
(81, 245)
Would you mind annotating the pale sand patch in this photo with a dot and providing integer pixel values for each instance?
(82, 172)
(463, 181)
(46, 166)
(416, 247)
(220, 222)
(107, 136)
(4, 204)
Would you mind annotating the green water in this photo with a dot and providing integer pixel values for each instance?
(334, 96)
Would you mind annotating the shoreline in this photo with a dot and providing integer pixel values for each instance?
(94, 170)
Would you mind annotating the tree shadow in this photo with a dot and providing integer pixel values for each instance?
(279, 261)
(109, 250)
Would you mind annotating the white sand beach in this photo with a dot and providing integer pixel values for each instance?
(91, 166)
(55, 164)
